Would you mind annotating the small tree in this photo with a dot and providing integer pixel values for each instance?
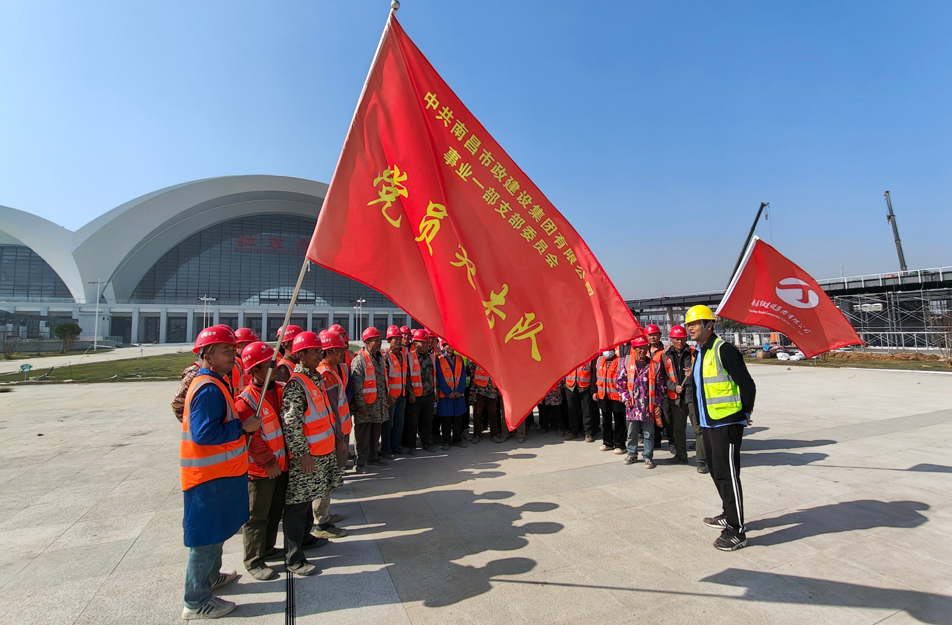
(10, 344)
(67, 332)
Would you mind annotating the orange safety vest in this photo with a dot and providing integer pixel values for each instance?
(332, 380)
(606, 380)
(452, 377)
(481, 377)
(581, 376)
(203, 463)
(396, 375)
(316, 422)
(348, 358)
(237, 378)
(370, 379)
(286, 362)
(271, 431)
(416, 381)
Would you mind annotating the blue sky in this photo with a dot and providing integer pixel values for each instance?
(655, 128)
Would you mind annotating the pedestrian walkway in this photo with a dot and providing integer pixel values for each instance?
(846, 482)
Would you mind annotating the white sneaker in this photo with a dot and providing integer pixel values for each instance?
(216, 607)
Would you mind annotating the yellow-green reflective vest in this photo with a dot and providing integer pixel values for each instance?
(721, 393)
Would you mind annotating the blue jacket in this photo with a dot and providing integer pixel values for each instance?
(450, 407)
(214, 510)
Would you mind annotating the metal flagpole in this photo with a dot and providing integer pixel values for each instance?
(750, 235)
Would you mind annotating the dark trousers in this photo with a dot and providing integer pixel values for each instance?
(563, 422)
(452, 429)
(698, 436)
(266, 503)
(550, 417)
(418, 420)
(298, 521)
(592, 422)
(391, 431)
(665, 431)
(366, 438)
(486, 405)
(722, 450)
(580, 412)
(677, 417)
(614, 428)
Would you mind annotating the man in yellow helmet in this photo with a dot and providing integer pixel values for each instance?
(724, 398)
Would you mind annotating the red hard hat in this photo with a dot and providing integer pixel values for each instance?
(291, 332)
(432, 334)
(340, 330)
(370, 333)
(678, 332)
(246, 335)
(305, 340)
(331, 340)
(212, 335)
(420, 335)
(393, 332)
(254, 354)
(641, 341)
(405, 330)
(652, 329)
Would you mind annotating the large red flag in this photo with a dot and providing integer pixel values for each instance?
(770, 291)
(427, 208)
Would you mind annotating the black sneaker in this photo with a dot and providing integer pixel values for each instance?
(729, 540)
(702, 469)
(719, 521)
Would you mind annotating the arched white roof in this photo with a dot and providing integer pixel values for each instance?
(121, 245)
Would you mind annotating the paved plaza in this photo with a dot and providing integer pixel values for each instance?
(847, 481)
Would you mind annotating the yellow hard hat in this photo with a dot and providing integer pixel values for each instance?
(699, 313)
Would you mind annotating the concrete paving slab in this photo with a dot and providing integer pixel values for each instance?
(847, 497)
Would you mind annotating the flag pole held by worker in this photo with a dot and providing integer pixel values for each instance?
(769, 290)
(425, 207)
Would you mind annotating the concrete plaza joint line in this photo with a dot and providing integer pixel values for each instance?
(847, 484)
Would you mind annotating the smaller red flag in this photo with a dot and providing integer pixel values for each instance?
(769, 290)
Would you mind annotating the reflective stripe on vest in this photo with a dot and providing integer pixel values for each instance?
(581, 376)
(343, 408)
(396, 375)
(451, 378)
(370, 378)
(481, 377)
(721, 393)
(316, 422)
(203, 463)
(606, 382)
(416, 380)
(271, 432)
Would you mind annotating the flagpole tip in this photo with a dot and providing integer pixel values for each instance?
(394, 5)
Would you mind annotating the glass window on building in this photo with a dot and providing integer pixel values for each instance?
(380, 322)
(150, 329)
(343, 321)
(318, 323)
(177, 329)
(273, 324)
(246, 262)
(121, 327)
(300, 322)
(254, 322)
(229, 320)
(24, 274)
(399, 320)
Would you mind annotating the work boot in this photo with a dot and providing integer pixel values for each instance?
(216, 607)
(225, 578)
(263, 573)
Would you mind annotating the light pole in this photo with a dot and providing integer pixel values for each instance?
(205, 299)
(98, 284)
(360, 315)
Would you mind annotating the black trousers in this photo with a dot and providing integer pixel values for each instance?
(550, 417)
(665, 431)
(698, 436)
(614, 428)
(580, 409)
(418, 420)
(266, 506)
(452, 428)
(367, 442)
(722, 450)
(677, 417)
(298, 521)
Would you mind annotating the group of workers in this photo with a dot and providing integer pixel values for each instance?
(252, 457)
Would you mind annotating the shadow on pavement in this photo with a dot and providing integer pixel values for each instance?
(780, 458)
(845, 516)
(770, 444)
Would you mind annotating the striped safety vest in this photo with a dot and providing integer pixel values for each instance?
(413, 366)
(396, 375)
(452, 378)
(271, 432)
(481, 377)
(317, 424)
(370, 378)
(237, 377)
(203, 463)
(581, 376)
(332, 380)
(606, 382)
(721, 392)
(286, 362)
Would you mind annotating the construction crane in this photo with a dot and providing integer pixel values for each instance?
(891, 218)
